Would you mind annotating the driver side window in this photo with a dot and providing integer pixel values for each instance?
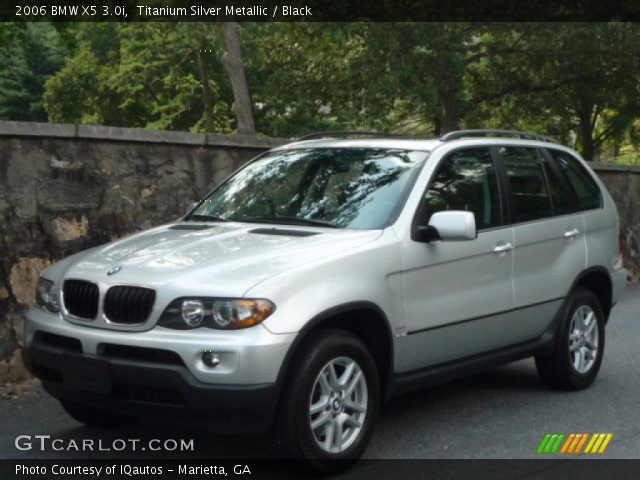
(465, 180)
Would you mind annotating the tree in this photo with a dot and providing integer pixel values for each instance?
(242, 106)
(582, 82)
(29, 55)
(153, 75)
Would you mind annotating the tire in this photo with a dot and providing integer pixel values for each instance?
(338, 350)
(562, 369)
(94, 417)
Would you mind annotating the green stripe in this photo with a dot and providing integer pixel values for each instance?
(558, 442)
(550, 443)
(543, 442)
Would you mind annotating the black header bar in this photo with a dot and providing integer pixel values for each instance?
(319, 10)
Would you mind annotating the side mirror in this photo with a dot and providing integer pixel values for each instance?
(450, 225)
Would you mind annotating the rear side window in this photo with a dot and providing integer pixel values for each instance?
(529, 193)
(465, 180)
(585, 188)
(561, 195)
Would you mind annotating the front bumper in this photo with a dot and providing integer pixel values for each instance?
(159, 374)
(252, 356)
(155, 392)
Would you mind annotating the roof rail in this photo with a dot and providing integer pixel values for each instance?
(350, 134)
(496, 133)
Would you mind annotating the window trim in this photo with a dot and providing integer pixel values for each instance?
(501, 193)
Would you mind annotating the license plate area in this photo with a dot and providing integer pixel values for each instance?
(87, 375)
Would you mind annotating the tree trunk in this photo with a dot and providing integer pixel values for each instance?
(450, 114)
(449, 93)
(242, 106)
(203, 62)
(586, 126)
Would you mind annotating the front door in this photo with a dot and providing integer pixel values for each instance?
(458, 294)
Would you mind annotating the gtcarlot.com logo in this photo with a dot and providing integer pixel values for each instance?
(574, 443)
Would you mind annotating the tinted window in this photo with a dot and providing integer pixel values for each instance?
(530, 197)
(561, 197)
(465, 180)
(585, 188)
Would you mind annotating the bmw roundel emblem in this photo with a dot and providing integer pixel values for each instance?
(114, 270)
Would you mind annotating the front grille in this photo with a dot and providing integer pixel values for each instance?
(128, 305)
(81, 298)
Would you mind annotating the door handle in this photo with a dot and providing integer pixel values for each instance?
(502, 247)
(572, 232)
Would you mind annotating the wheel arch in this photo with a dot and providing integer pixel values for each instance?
(364, 319)
(598, 280)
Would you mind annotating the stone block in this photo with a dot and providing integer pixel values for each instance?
(66, 229)
(23, 278)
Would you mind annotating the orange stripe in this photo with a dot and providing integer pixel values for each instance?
(574, 443)
(584, 439)
(567, 442)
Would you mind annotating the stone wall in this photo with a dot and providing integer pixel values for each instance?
(64, 188)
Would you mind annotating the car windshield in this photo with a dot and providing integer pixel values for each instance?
(355, 188)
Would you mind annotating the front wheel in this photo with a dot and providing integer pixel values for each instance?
(579, 348)
(330, 403)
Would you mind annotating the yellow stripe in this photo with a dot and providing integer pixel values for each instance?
(605, 443)
(584, 439)
(591, 442)
(596, 445)
(567, 442)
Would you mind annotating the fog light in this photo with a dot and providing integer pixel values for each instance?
(192, 312)
(210, 359)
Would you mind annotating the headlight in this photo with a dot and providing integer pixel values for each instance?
(47, 295)
(219, 313)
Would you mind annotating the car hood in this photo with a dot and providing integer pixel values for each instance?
(212, 259)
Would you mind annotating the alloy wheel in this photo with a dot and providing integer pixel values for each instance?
(338, 405)
(583, 339)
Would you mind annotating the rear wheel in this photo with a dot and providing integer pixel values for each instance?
(329, 408)
(579, 348)
(94, 417)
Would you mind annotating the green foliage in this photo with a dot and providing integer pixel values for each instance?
(139, 75)
(29, 54)
(577, 82)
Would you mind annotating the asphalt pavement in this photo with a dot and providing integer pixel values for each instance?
(502, 413)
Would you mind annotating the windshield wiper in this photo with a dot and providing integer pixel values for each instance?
(290, 221)
(206, 218)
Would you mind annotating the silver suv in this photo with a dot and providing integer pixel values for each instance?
(330, 274)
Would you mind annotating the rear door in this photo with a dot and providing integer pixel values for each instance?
(549, 241)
